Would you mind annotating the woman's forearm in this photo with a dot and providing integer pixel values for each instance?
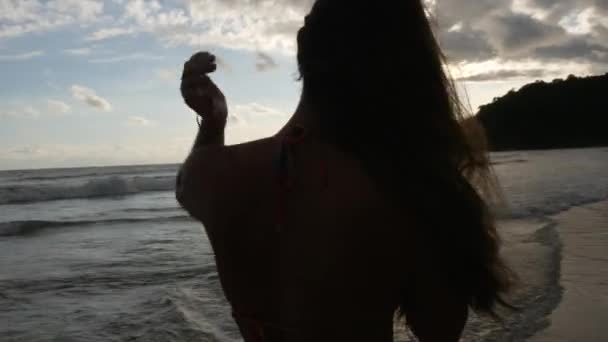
(209, 134)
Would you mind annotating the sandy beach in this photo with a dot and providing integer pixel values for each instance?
(582, 314)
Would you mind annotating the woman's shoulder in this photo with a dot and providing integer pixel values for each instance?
(246, 165)
(252, 153)
(252, 167)
(215, 178)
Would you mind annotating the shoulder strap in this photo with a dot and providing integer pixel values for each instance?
(283, 162)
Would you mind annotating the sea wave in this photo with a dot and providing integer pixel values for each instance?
(509, 161)
(99, 187)
(72, 173)
(28, 227)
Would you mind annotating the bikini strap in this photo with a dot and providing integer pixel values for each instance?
(282, 167)
(283, 164)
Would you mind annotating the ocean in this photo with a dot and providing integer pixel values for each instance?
(106, 254)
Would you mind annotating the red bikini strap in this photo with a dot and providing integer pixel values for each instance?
(286, 183)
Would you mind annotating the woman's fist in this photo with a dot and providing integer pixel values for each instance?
(199, 91)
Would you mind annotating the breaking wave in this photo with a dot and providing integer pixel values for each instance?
(100, 187)
(22, 228)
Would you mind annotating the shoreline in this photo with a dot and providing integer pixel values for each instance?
(581, 313)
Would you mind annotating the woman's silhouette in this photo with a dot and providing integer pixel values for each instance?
(366, 203)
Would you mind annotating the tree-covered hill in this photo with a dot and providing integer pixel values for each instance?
(561, 114)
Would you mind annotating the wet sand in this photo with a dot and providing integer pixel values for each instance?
(582, 314)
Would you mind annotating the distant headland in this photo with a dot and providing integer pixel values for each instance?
(570, 113)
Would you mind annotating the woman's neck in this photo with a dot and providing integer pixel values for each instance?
(304, 117)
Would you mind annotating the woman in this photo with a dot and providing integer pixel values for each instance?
(364, 204)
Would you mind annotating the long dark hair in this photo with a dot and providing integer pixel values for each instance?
(374, 73)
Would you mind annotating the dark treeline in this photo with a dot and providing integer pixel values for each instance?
(562, 114)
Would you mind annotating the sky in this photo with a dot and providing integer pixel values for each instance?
(94, 82)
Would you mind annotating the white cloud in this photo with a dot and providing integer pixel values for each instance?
(58, 107)
(130, 57)
(524, 7)
(470, 30)
(138, 121)
(107, 33)
(588, 21)
(78, 51)
(21, 56)
(89, 97)
(498, 69)
(27, 16)
(20, 112)
(236, 24)
(82, 10)
(151, 16)
(252, 112)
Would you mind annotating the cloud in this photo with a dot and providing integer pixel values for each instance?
(570, 33)
(264, 62)
(21, 56)
(574, 48)
(28, 16)
(601, 32)
(466, 45)
(253, 111)
(503, 75)
(236, 24)
(451, 12)
(58, 107)
(89, 97)
(138, 121)
(554, 10)
(151, 16)
(29, 151)
(253, 121)
(82, 10)
(107, 33)
(470, 31)
(129, 57)
(168, 75)
(516, 34)
(498, 69)
(78, 51)
(22, 112)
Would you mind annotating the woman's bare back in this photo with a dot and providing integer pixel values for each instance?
(336, 266)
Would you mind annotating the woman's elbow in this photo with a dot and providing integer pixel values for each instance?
(180, 190)
(191, 194)
(198, 182)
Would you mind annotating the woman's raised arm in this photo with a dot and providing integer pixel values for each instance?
(199, 181)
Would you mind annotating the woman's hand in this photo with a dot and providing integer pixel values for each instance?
(199, 91)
